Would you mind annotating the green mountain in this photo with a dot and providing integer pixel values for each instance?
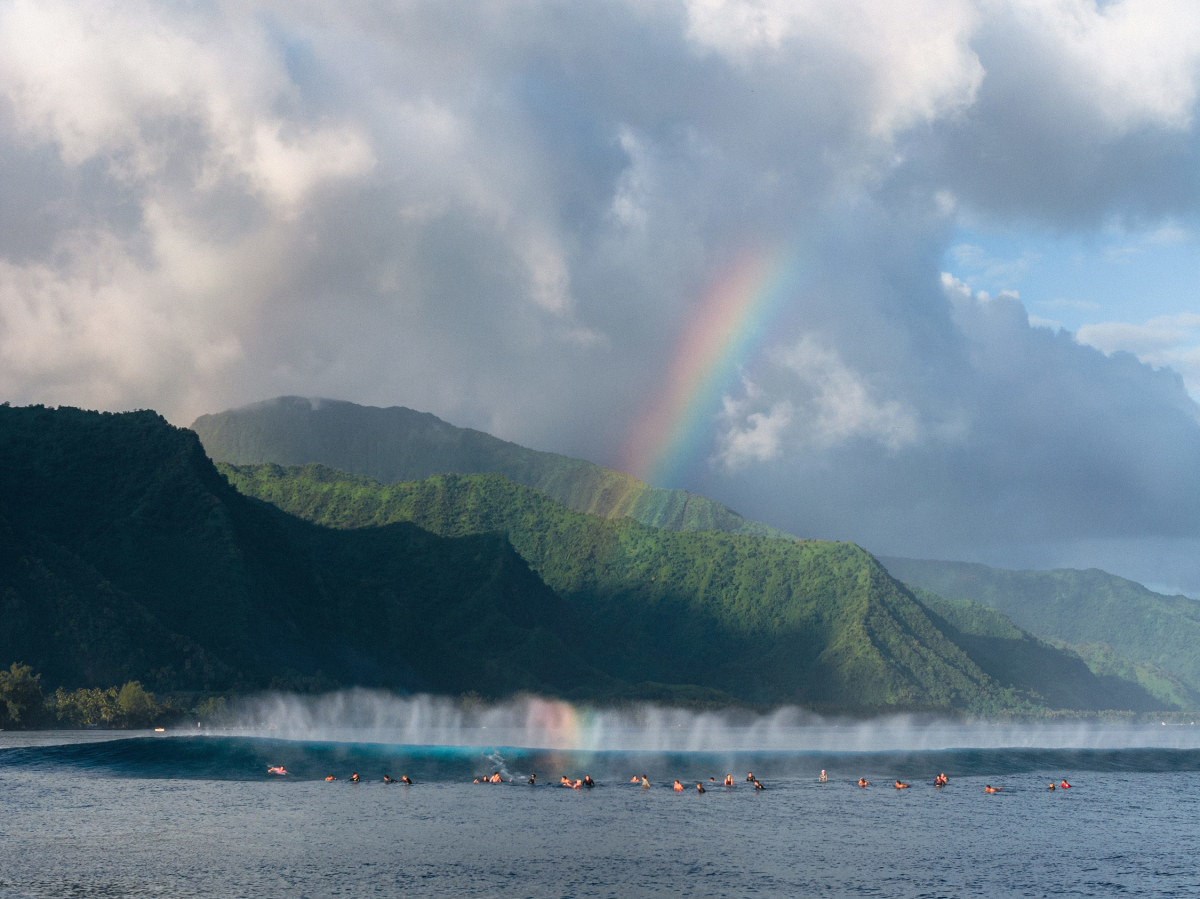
(765, 620)
(125, 555)
(399, 444)
(1120, 627)
(1063, 676)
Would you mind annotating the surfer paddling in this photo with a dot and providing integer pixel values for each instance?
(277, 770)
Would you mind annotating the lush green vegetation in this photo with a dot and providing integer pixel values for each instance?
(23, 704)
(1055, 673)
(1121, 628)
(127, 556)
(20, 696)
(766, 620)
(399, 444)
(130, 559)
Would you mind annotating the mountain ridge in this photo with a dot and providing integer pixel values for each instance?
(129, 556)
(401, 444)
(817, 618)
(1079, 607)
(219, 433)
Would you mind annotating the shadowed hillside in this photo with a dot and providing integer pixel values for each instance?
(126, 555)
(1118, 625)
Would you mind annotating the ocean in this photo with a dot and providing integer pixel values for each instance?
(109, 814)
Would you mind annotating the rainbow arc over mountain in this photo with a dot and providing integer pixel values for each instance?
(672, 435)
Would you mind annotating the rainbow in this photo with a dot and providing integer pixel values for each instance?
(554, 724)
(673, 429)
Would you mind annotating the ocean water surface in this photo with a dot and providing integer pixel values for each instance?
(196, 814)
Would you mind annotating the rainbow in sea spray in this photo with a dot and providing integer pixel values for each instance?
(729, 327)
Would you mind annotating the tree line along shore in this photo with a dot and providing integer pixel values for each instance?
(25, 705)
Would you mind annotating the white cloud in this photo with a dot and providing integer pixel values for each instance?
(753, 437)
(1166, 341)
(1128, 247)
(910, 62)
(840, 404)
(828, 404)
(147, 93)
(632, 195)
(103, 332)
(1135, 63)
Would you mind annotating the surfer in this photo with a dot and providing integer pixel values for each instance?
(405, 779)
(863, 782)
(678, 788)
(900, 785)
(749, 776)
(588, 782)
(354, 778)
(635, 779)
(533, 780)
(757, 785)
(822, 778)
(1051, 787)
(941, 780)
(729, 780)
(990, 789)
(277, 769)
(330, 778)
(1064, 785)
(387, 779)
(495, 778)
(645, 782)
(700, 788)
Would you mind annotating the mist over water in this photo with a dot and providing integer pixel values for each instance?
(376, 716)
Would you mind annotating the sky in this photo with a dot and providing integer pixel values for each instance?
(919, 275)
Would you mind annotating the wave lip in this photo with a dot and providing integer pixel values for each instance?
(247, 758)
